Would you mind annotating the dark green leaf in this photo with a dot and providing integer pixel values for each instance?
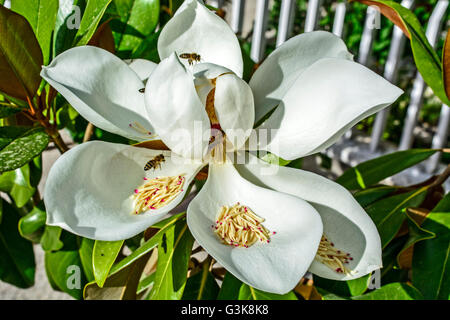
(22, 149)
(86, 250)
(248, 293)
(201, 286)
(20, 56)
(392, 291)
(431, 265)
(368, 196)
(50, 240)
(105, 253)
(388, 215)
(41, 14)
(230, 288)
(17, 264)
(32, 225)
(348, 288)
(174, 250)
(370, 172)
(91, 18)
(7, 110)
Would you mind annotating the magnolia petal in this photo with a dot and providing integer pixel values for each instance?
(326, 100)
(142, 67)
(344, 221)
(102, 88)
(196, 29)
(276, 75)
(89, 188)
(204, 78)
(234, 106)
(176, 111)
(273, 267)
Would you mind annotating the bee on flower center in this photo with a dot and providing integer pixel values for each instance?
(155, 162)
(191, 57)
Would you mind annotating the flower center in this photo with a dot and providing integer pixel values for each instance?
(239, 226)
(139, 128)
(157, 192)
(332, 257)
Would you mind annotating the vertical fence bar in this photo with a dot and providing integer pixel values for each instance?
(259, 31)
(390, 73)
(439, 139)
(339, 18)
(365, 47)
(287, 15)
(312, 15)
(237, 15)
(432, 33)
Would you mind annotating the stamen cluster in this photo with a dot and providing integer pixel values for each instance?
(331, 257)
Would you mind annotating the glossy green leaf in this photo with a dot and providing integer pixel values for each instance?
(86, 252)
(105, 253)
(174, 250)
(392, 291)
(373, 171)
(7, 110)
(50, 240)
(122, 285)
(349, 288)
(201, 286)
(64, 267)
(32, 225)
(425, 58)
(17, 264)
(145, 283)
(23, 148)
(20, 56)
(248, 293)
(91, 18)
(431, 265)
(68, 17)
(230, 288)
(41, 14)
(388, 214)
(138, 19)
(17, 184)
(368, 196)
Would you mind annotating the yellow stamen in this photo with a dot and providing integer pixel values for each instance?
(333, 258)
(157, 192)
(238, 226)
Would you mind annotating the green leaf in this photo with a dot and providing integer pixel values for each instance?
(22, 149)
(17, 184)
(431, 265)
(138, 19)
(371, 172)
(20, 56)
(273, 159)
(50, 240)
(7, 110)
(392, 291)
(230, 288)
(32, 225)
(105, 253)
(65, 26)
(369, 196)
(145, 283)
(425, 58)
(174, 250)
(122, 285)
(64, 267)
(91, 18)
(86, 251)
(41, 14)
(388, 216)
(248, 293)
(17, 264)
(201, 286)
(348, 288)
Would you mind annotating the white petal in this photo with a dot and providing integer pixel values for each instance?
(102, 88)
(89, 188)
(234, 106)
(278, 72)
(326, 100)
(204, 75)
(142, 67)
(344, 221)
(273, 267)
(175, 109)
(196, 29)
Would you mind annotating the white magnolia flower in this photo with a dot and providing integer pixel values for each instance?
(265, 224)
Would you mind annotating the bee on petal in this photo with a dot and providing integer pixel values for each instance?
(191, 57)
(155, 162)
